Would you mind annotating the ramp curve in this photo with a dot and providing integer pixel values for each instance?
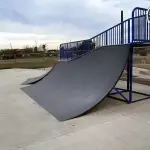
(80, 84)
(39, 78)
(35, 79)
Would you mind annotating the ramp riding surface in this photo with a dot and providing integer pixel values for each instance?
(80, 84)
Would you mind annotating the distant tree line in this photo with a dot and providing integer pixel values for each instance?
(27, 52)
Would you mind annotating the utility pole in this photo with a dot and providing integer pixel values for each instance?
(14, 52)
(36, 43)
(11, 46)
(36, 48)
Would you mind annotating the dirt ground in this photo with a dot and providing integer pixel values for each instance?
(144, 66)
(144, 63)
(141, 59)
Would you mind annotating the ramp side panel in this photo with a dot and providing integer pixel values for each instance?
(80, 84)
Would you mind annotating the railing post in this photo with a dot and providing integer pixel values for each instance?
(133, 26)
(145, 27)
(67, 51)
(122, 28)
(130, 73)
(129, 31)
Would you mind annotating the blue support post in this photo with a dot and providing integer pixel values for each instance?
(122, 28)
(130, 74)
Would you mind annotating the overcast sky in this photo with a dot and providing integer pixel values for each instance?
(22, 22)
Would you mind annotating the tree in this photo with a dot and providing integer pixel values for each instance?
(143, 53)
(28, 50)
(35, 49)
(44, 47)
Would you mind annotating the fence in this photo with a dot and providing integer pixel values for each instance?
(140, 25)
(113, 36)
(134, 29)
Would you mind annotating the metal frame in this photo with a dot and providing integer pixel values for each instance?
(116, 35)
(131, 31)
(137, 13)
(129, 85)
(140, 25)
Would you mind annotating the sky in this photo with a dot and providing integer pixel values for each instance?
(51, 22)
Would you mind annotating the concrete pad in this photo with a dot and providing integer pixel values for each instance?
(19, 75)
(120, 134)
(22, 121)
(136, 87)
(139, 111)
(112, 124)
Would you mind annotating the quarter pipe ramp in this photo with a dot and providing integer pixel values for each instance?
(74, 88)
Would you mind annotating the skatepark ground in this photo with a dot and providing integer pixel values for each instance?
(112, 124)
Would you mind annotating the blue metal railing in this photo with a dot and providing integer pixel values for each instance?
(140, 25)
(112, 36)
(134, 29)
(73, 49)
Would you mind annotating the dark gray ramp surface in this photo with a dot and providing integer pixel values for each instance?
(39, 78)
(79, 85)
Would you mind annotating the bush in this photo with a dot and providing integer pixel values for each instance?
(143, 53)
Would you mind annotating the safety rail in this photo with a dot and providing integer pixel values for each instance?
(134, 29)
(73, 49)
(112, 36)
(140, 25)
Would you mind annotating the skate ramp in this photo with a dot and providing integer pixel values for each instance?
(80, 84)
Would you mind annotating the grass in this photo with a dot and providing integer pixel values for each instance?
(30, 63)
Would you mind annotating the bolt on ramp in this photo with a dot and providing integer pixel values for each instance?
(72, 89)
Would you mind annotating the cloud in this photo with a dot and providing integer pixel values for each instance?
(59, 20)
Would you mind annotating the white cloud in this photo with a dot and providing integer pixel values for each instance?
(54, 22)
